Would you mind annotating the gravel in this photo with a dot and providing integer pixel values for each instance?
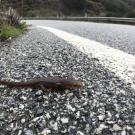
(104, 106)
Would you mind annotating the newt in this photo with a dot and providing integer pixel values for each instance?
(53, 83)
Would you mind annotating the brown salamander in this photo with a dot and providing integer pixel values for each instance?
(53, 83)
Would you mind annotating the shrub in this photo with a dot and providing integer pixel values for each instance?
(22, 26)
(116, 6)
(12, 17)
(8, 31)
(11, 26)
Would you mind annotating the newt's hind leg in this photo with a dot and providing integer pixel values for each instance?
(42, 87)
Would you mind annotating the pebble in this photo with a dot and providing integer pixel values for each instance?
(23, 120)
(28, 132)
(78, 114)
(21, 106)
(36, 118)
(70, 108)
(46, 131)
(100, 128)
(64, 120)
(2, 116)
(48, 116)
(70, 94)
(110, 122)
(116, 127)
(12, 125)
(19, 132)
(123, 132)
(39, 112)
(129, 128)
(23, 98)
(54, 125)
(39, 93)
(80, 133)
(101, 117)
(45, 97)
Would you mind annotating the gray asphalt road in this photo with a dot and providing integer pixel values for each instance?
(117, 36)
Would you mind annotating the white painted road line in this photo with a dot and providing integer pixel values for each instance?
(117, 61)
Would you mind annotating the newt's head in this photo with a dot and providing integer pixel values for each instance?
(68, 83)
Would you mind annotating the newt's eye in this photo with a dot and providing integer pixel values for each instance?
(58, 84)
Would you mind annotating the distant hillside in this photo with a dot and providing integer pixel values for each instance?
(122, 8)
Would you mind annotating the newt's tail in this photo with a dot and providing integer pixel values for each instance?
(18, 84)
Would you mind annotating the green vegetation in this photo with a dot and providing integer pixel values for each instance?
(8, 31)
(45, 8)
(10, 26)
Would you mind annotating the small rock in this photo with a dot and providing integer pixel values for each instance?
(28, 132)
(110, 122)
(45, 97)
(54, 125)
(75, 123)
(70, 108)
(11, 125)
(63, 131)
(70, 94)
(123, 133)
(64, 120)
(80, 133)
(116, 127)
(40, 112)
(78, 114)
(21, 106)
(2, 86)
(37, 118)
(11, 101)
(46, 131)
(9, 38)
(109, 115)
(23, 98)
(19, 132)
(2, 116)
(30, 125)
(48, 116)
(22, 120)
(72, 130)
(40, 99)
(101, 117)
(129, 128)
(39, 93)
(100, 128)
(13, 110)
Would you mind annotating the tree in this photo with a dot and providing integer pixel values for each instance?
(74, 4)
(116, 6)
